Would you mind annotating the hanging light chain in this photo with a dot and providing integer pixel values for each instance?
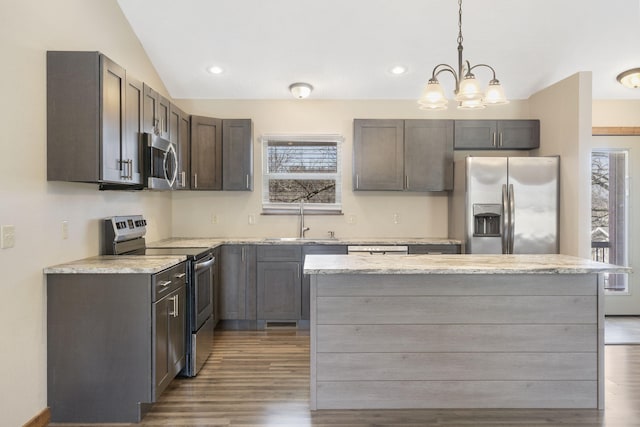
(459, 21)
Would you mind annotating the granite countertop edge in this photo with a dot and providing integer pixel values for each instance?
(456, 264)
(117, 264)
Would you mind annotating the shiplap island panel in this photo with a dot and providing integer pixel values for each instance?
(456, 331)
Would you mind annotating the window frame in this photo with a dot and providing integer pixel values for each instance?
(313, 208)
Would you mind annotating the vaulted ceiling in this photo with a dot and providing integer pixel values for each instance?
(346, 48)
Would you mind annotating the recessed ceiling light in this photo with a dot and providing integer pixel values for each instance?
(398, 69)
(215, 70)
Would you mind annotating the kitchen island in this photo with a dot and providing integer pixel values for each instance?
(456, 331)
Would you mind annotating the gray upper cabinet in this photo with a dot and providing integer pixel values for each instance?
(497, 134)
(87, 137)
(184, 151)
(378, 154)
(131, 150)
(237, 154)
(206, 153)
(156, 109)
(428, 155)
(410, 155)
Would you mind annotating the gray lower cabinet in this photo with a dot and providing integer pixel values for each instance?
(435, 249)
(170, 326)
(279, 282)
(91, 137)
(403, 155)
(114, 342)
(237, 294)
(497, 134)
(306, 281)
(237, 154)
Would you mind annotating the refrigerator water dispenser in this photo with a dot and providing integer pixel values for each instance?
(486, 220)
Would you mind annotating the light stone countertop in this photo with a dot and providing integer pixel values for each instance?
(210, 242)
(455, 264)
(117, 264)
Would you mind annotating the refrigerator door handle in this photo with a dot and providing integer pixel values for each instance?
(512, 218)
(506, 212)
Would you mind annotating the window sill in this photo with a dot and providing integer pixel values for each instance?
(296, 212)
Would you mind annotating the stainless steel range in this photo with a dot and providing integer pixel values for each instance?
(124, 235)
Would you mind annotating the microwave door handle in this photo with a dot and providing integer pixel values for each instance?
(171, 152)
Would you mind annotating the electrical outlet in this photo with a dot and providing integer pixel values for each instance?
(352, 219)
(65, 230)
(7, 236)
(214, 219)
(396, 218)
(252, 219)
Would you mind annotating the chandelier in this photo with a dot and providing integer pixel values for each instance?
(467, 92)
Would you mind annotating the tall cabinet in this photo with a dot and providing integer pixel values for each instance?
(92, 125)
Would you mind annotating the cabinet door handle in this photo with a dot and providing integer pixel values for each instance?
(195, 180)
(357, 181)
(247, 181)
(298, 271)
(406, 182)
(175, 312)
(130, 162)
(494, 139)
(500, 139)
(242, 254)
(183, 177)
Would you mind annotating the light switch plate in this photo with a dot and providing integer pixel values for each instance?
(7, 236)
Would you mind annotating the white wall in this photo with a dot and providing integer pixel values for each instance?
(421, 214)
(564, 110)
(35, 207)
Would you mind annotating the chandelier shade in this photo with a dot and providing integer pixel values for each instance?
(468, 92)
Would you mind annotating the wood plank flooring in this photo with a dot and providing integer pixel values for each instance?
(262, 379)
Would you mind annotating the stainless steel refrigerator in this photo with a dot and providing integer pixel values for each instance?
(506, 205)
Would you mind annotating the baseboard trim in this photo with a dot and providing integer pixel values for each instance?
(40, 420)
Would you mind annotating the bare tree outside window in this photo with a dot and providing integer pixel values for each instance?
(609, 213)
(301, 169)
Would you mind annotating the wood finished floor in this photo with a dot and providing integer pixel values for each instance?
(262, 379)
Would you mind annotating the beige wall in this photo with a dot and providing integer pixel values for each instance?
(616, 113)
(421, 214)
(37, 208)
(564, 110)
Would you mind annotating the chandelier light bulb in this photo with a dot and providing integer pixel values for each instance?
(469, 89)
(495, 94)
(433, 97)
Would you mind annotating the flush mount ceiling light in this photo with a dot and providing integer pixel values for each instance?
(300, 90)
(468, 93)
(630, 78)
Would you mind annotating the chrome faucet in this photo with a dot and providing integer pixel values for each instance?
(303, 229)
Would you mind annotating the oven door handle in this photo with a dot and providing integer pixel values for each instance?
(205, 264)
